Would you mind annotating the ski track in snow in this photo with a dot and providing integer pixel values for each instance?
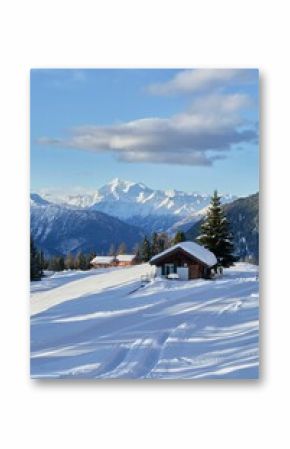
(108, 326)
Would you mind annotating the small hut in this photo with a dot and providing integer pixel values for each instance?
(103, 261)
(124, 260)
(186, 260)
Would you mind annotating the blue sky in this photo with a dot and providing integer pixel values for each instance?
(192, 130)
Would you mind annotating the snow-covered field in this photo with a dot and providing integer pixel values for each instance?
(106, 325)
(57, 279)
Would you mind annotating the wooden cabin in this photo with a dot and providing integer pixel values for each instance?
(186, 260)
(103, 261)
(124, 260)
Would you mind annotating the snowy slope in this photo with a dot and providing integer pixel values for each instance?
(97, 280)
(107, 326)
(53, 279)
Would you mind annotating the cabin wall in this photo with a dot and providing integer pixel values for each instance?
(125, 264)
(103, 265)
(182, 273)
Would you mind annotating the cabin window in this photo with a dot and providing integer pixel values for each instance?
(169, 268)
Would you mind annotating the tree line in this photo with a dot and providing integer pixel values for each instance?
(156, 243)
(81, 261)
(39, 263)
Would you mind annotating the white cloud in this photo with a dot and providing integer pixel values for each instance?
(197, 80)
(204, 133)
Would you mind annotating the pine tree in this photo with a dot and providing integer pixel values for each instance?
(52, 264)
(160, 242)
(89, 258)
(35, 262)
(56, 263)
(145, 250)
(155, 244)
(179, 237)
(61, 263)
(69, 262)
(215, 234)
(45, 262)
(80, 261)
(164, 241)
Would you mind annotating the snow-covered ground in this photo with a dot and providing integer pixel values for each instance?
(106, 325)
(56, 279)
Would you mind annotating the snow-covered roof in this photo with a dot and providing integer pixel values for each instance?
(193, 249)
(125, 257)
(103, 260)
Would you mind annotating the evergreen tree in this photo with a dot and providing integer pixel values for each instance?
(80, 261)
(215, 234)
(35, 262)
(56, 263)
(163, 242)
(179, 237)
(42, 262)
(155, 244)
(77, 261)
(61, 266)
(122, 248)
(69, 262)
(53, 264)
(45, 263)
(159, 242)
(145, 250)
(90, 257)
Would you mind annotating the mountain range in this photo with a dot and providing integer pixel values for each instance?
(139, 205)
(58, 230)
(124, 211)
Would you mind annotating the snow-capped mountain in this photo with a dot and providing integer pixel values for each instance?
(37, 200)
(126, 199)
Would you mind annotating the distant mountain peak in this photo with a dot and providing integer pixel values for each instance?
(123, 184)
(125, 199)
(117, 182)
